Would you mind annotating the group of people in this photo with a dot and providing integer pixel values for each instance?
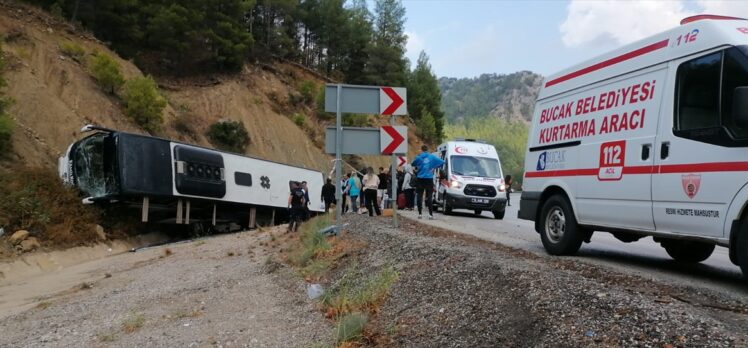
(369, 192)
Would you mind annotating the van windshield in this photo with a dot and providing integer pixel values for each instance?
(475, 166)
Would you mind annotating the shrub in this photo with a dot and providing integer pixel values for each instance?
(35, 199)
(229, 135)
(308, 90)
(143, 103)
(350, 327)
(6, 129)
(357, 292)
(321, 106)
(356, 120)
(56, 10)
(107, 72)
(298, 119)
(73, 50)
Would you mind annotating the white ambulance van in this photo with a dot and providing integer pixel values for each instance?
(470, 178)
(647, 140)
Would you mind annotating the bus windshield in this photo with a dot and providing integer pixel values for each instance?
(475, 166)
(92, 171)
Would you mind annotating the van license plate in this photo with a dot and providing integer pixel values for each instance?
(479, 200)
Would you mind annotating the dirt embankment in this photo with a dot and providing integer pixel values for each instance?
(54, 95)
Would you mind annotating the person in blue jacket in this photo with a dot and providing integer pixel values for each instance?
(425, 164)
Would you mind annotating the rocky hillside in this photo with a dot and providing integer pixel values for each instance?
(55, 94)
(510, 97)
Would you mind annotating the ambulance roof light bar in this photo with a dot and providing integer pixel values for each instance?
(706, 17)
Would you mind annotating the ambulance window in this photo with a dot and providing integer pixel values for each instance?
(698, 93)
(735, 74)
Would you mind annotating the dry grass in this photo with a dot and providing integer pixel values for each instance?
(187, 314)
(43, 305)
(358, 292)
(107, 337)
(350, 327)
(35, 199)
(133, 322)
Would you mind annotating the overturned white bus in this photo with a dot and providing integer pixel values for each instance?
(179, 183)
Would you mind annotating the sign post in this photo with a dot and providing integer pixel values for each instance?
(365, 100)
(338, 163)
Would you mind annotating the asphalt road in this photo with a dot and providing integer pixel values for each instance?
(644, 257)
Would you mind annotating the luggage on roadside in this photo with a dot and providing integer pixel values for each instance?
(401, 201)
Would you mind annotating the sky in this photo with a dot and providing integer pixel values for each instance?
(466, 38)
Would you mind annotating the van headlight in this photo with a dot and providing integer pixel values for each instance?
(455, 184)
(502, 187)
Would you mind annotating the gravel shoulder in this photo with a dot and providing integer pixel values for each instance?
(460, 291)
(452, 290)
(219, 291)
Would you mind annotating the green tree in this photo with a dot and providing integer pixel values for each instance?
(107, 72)
(427, 127)
(424, 94)
(387, 63)
(143, 103)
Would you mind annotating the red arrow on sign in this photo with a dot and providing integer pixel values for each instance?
(401, 160)
(397, 139)
(396, 101)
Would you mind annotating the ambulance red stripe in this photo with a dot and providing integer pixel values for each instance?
(612, 61)
(661, 169)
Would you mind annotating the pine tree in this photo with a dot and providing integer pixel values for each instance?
(387, 63)
(424, 94)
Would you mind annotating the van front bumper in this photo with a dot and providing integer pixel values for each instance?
(495, 204)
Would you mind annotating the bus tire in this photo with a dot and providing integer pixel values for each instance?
(688, 251)
(559, 231)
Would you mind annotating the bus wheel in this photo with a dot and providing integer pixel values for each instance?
(560, 233)
(688, 251)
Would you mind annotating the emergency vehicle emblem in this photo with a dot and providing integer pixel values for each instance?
(460, 149)
(691, 184)
(482, 150)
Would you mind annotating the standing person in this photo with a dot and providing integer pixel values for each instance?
(362, 196)
(409, 190)
(508, 182)
(382, 186)
(306, 200)
(328, 194)
(354, 188)
(371, 184)
(296, 205)
(344, 193)
(426, 163)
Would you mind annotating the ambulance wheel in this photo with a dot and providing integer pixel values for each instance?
(742, 249)
(446, 209)
(477, 211)
(688, 251)
(498, 215)
(560, 233)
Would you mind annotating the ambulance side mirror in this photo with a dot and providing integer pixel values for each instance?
(740, 106)
(442, 174)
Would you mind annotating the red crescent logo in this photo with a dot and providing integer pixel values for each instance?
(460, 149)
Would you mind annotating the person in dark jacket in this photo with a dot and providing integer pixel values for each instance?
(328, 194)
(306, 200)
(508, 182)
(296, 205)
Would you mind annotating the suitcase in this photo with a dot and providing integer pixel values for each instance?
(401, 201)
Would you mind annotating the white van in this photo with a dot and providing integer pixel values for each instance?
(647, 140)
(470, 178)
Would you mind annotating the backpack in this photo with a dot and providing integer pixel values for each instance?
(413, 180)
(297, 197)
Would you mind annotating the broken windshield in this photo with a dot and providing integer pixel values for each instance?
(93, 171)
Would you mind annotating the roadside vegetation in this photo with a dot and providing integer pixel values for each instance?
(143, 103)
(354, 296)
(229, 135)
(34, 199)
(6, 124)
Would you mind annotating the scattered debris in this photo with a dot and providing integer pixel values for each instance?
(314, 291)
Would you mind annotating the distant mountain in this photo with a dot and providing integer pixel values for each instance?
(510, 97)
